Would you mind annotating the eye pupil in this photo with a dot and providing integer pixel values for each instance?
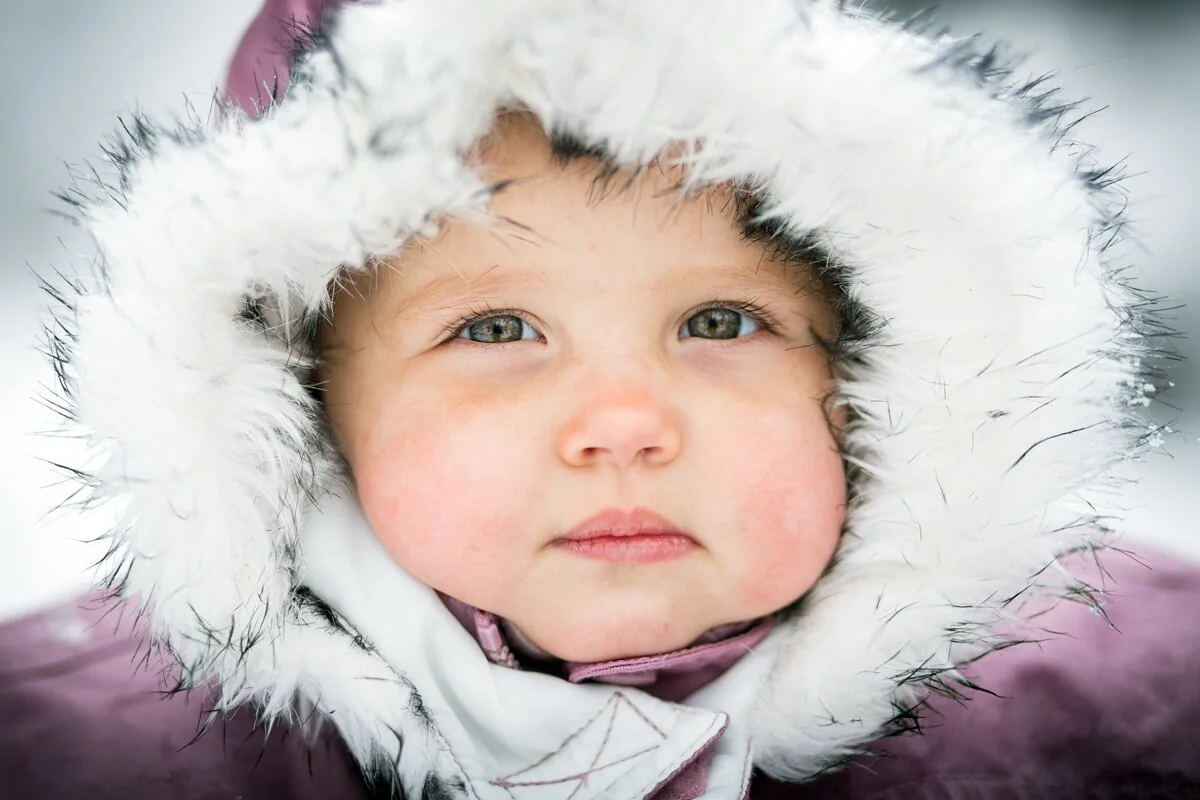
(499, 329)
(715, 323)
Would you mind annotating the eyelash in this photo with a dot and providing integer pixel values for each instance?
(763, 318)
(475, 313)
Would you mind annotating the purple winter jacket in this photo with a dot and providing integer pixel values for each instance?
(1110, 710)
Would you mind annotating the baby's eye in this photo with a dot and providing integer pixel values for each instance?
(498, 329)
(719, 323)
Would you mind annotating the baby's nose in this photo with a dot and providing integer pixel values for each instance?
(622, 430)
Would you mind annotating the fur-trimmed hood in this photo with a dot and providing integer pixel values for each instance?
(994, 376)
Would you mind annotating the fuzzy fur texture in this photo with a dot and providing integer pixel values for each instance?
(1001, 383)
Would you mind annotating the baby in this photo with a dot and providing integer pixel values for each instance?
(563, 399)
(604, 420)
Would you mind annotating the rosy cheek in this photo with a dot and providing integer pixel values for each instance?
(791, 501)
(443, 498)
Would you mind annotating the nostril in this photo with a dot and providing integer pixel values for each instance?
(597, 452)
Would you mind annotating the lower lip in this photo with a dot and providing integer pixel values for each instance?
(639, 548)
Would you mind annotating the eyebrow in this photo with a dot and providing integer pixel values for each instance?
(782, 280)
(449, 288)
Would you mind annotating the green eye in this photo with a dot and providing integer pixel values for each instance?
(719, 323)
(497, 329)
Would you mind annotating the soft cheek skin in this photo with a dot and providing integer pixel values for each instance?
(772, 485)
(775, 479)
(450, 501)
(790, 509)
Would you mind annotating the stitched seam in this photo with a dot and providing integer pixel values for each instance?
(505, 781)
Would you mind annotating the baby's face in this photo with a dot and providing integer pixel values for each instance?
(495, 388)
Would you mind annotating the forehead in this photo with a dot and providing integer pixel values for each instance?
(562, 212)
(524, 162)
(552, 192)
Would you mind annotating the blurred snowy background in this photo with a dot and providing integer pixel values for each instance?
(73, 66)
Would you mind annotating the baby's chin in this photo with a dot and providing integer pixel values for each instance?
(591, 639)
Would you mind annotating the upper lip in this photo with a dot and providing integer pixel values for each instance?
(615, 522)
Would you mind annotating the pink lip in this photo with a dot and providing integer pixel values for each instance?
(638, 535)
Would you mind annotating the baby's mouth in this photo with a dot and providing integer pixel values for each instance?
(639, 535)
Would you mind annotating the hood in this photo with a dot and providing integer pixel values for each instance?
(995, 374)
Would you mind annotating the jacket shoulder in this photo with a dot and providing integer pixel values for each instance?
(86, 716)
(1106, 707)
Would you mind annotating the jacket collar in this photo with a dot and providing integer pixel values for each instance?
(669, 676)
